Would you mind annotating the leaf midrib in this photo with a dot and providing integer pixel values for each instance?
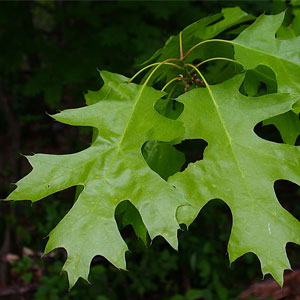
(130, 117)
(230, 143)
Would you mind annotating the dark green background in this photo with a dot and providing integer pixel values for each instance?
(49, 56)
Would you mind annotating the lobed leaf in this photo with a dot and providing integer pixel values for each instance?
(258, 45)
(111, 170)
(240, 168)
(131, 155)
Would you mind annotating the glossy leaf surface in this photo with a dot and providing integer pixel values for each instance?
(240, 168)
(111, 170)
(258, 45)
(123, 174)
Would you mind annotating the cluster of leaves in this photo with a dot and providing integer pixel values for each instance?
(132, 155)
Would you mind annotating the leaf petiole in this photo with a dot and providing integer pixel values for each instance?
(217, 58)
(199, 73)
(180, 45)
(199, 44)
(166, 62)
(169, 82)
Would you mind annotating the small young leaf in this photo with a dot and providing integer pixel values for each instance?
(203, 29)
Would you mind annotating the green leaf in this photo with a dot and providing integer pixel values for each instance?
(203, 29)
(296, 107)
(287, 32)
(288, 124)
(255, 77)
(295, 2)
(278, 6)
(169, 108)
(111, 170)
(109, 89)
(155, 153)
(130, 216)
(240, 168)
(291, 25)
(257, 45)
(163, 158)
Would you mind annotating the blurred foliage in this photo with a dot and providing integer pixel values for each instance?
(49, 55)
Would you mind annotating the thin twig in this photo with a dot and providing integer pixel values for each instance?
(202, 43)
(166, 62)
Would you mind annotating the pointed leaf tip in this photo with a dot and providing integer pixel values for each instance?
(89, 228)
(235, 164)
